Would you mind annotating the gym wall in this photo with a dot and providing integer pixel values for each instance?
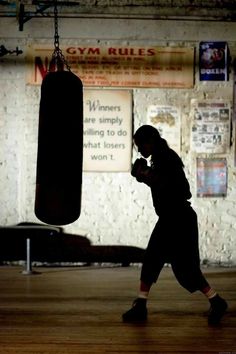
(116, 210)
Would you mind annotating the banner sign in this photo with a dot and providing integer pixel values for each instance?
(213, 61)
(171, 67)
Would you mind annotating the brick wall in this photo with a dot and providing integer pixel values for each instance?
(115, 208)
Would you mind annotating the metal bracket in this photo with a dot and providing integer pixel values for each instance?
(5, 51)
(24, 17)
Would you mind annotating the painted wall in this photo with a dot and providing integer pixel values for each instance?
(115, 208)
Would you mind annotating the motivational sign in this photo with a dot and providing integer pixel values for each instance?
(120, 66)
(107, 130)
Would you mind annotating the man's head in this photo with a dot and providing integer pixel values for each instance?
(147, 138)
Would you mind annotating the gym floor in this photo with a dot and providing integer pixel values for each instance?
(77, 310)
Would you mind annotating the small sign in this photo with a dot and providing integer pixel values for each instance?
(213, 61)
(211, 177)
(210, 126)
(167, 121)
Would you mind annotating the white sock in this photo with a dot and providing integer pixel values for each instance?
(210, 294)
(143, 295)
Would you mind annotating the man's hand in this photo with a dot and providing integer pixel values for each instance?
(139, 166)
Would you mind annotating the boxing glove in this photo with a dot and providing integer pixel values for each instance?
(138, 166)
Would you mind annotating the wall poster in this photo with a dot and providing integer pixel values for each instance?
(234, 111)
(211, 177)
(115, 66)
(213, 61)
(107, 130)
(210, 131)
(167, 121)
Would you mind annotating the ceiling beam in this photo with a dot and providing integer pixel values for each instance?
(187, 10)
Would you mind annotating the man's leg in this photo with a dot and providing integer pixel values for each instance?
(138, 311)
(218, 306)
(192, 279)
(151, 268)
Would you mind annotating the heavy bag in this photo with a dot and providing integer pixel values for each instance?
(60, 149)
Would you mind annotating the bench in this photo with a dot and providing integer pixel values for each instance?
(27, 231)
(50, 245)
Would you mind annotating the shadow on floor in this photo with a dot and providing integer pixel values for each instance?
(50, 244)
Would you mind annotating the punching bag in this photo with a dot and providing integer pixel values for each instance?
(60, 149)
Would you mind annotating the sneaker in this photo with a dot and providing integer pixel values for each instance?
(137, 313)
(217, 310)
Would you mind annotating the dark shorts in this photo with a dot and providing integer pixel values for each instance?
(174, 240)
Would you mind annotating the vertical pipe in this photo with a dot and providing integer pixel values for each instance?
(28, 269)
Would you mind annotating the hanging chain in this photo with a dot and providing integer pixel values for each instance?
(57, 55)
(56, 35)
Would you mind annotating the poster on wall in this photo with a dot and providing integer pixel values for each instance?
(107, 130)
(210, 130)
(213, 61)
(167, 121)
(211, 177)
(115, 66)
(234, 110)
